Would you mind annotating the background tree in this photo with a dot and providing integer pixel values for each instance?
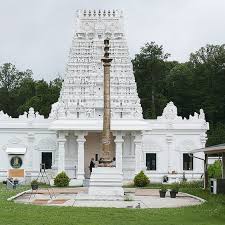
(11, 78)
(208, 64)
(179, 88)
(197, 83)
(19, 92)
(150, 72)
(10, 81)
(43, 97)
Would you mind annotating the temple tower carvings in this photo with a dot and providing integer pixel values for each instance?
(81, 96)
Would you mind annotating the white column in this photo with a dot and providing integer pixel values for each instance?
(30, 152)
(61, 151)
(80, 145)
(138, 153)
(169, 139)
(119, 151)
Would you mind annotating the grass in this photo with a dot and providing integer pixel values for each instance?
(210, 213)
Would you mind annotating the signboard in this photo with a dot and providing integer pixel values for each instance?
(16, 162)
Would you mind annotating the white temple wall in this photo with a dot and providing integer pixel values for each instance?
(34, 141)
(166, 138)
(169, 148)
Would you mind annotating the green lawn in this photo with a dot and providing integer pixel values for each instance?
(210, 213)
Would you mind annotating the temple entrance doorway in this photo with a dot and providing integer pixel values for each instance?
(93, 148)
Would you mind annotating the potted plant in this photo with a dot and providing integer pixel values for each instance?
(34, 184)
(174, 190)
(162, 191)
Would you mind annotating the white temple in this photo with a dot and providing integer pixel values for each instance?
(71, 136)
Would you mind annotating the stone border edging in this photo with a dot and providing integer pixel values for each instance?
(18, 195)
(193, 196)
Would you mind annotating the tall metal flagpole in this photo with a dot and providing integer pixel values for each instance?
(106, 134)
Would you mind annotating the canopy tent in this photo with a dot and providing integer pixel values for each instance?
(212, 150)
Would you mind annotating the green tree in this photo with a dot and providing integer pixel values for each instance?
(216, 134)
(150, 71)
(10, 81)
(215, 170)
(208, 64)
(43, 97)
(10, 77)
(179, 87)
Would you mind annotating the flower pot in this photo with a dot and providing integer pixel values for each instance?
(34, 186)
(162, 194)
(173, 194)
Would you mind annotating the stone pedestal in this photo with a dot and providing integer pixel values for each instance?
(106, 182)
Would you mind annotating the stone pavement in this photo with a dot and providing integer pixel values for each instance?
(135, 198)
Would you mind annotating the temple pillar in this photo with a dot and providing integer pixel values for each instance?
(119, 151)
(138, 153)
(61, 151)
(169, 139)
(80, 149)
(30, 152)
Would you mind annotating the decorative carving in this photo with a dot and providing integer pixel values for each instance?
(203, 138)
(195, 117)
(14, 141)
(24, 116)
(31, 114)
(187, 145)
(38, 116)
(151, 147)
(3, 115)
(202, 115)
(169, 113)
(46, 144)
(83, 83)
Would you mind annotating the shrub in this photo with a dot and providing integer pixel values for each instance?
(191, 184)
(175, 187)
(141, 180)
(163, 188)
(34, 182)
(61, 180)
(215, 170)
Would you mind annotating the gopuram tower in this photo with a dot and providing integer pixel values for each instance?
(81, 95)
(78, 115)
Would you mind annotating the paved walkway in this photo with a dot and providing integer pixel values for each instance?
(135, 198)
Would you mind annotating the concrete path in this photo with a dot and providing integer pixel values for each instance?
(135, 198)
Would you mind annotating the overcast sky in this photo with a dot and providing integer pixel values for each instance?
(36, 34)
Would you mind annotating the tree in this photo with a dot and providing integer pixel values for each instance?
(216, 134)
(43, 97)
(179, 86)
(150, 71)
(215, 170)
(208, 64)
(10, 77)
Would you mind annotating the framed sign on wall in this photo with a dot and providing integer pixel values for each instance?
(16, 162)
